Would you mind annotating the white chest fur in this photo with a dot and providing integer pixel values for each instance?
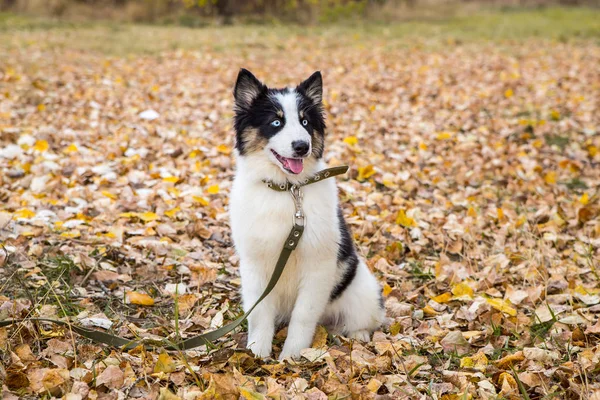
(261, 220)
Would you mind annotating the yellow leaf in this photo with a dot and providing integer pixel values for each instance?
(24, 213)
(584, 199)
(422, 146)
(200, 200)
(502, 305)
(171, 179)
(508, 93)
(508, 361)
(586, 291)
(374, 385)
(172, 212)
(479, 361)
(404, 220)
(467, 362)
(472, 213)
(41, 107)
(320, 338)
(462, 291)
(250, 394)
(554, 115)
(365, 172)
(592, 151)
(500, 213)
(71, 149)
(71, 234)
(109, 194)
(550, 178)
(444, 135)
(166, 394)
(214, 189)
(128, 215)
(141, 299)
(223, 149)
(195, 153)
(395, 328)
(389, 184)
(508, 384)
(41, 146)
(174, 191)
(164, 363)
(351, 140)
(387, 289)
(521, 220)
(429, 311)
(442, 298)
(148, 216)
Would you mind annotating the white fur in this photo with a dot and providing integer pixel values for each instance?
(261, 220)
(292, 129)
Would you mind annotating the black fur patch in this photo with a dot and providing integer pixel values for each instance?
(347, 258)
(256, 107)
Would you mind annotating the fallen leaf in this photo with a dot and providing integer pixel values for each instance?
(365, 173)
(112, 377)
(404, 220)
(164, 363)
(141, 299)
(502, 305)
(462, 291)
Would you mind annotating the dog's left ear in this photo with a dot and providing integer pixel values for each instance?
(313, 87)
(247, 89)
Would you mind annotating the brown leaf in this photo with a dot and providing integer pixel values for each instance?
(455, 342)
(16, 380)
(112, 377)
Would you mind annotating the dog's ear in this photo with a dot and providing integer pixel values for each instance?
(247, 89)
(313, 87)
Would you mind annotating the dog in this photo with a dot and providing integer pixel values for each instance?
(280, 136)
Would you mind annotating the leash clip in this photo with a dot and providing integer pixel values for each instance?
(299, 216)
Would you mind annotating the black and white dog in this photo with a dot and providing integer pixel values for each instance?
(279, 137)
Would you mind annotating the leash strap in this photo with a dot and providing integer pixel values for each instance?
(289, 246)
(207, 338)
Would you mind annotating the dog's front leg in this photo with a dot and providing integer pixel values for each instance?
(310, 305)
(261, 322)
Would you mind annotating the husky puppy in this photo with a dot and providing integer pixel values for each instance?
(280, 137)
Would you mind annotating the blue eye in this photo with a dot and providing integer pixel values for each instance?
(276, 123)
(304, 122)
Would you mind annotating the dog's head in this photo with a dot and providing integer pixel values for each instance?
(284, 126)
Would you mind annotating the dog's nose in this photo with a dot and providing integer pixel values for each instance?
(300, 148)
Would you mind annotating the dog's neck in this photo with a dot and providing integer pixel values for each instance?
(259, 169)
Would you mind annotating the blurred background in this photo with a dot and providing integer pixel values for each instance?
(201, 12)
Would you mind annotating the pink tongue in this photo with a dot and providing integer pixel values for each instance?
(296, 165)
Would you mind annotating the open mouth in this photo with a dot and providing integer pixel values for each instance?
(293, 165)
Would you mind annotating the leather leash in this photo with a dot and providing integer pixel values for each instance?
(207, 338)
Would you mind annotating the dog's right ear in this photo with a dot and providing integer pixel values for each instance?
(247, 89)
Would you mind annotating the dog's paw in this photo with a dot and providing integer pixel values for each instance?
(288, 356)
(260, 350)
(290, 351)
(362, 335)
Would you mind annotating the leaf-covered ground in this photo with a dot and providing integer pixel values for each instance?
(474, 194)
